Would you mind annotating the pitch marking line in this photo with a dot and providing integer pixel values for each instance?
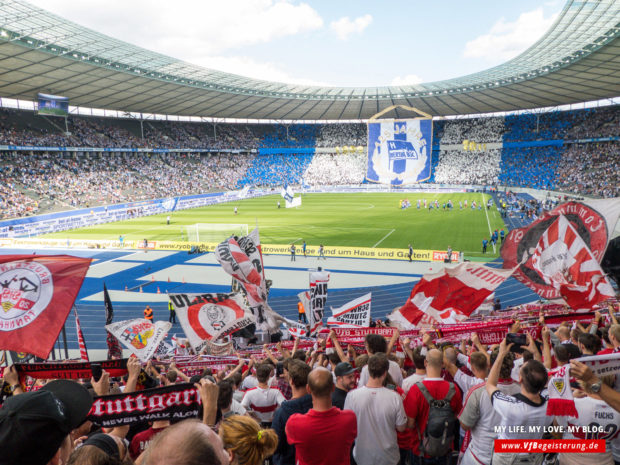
(384, 238)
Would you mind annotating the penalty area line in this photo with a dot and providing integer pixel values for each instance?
(384, 238)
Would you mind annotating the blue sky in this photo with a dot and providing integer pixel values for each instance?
(344, 42)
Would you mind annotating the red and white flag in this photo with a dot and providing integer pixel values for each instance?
(594, 221)
(564, 261)
(140, 336)
(207, 317)
(354, 314)
(450, 295)
(36, 297)
(80, 336)
(243, 260)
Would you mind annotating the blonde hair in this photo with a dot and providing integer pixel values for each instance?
(249, 442)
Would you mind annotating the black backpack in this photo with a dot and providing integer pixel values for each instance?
(438, 436)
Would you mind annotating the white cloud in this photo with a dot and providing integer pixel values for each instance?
(181, 27)
(507, 39)
(409, 79)
(345, 27)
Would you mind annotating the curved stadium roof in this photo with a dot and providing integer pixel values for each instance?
(577, 60)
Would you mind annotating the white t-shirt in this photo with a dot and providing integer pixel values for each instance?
(593, 413)
(478, 413)
(516, 369)
(517, 411)
(379, 411)
(465, 381)
(249, 382)
(263, 402)
(393, 370)
(409, 381)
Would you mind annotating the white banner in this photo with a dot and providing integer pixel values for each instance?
(355, 314)
(243, 260)
(207, 317)
(140, 336)
(318, 296)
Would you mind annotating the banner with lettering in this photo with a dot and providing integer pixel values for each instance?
(70, 370)
(207, 317)
(399, 151)
(174, 402)
(242, 259)
(354, 314)
(318, 296)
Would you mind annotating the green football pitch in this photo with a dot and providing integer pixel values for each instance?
(355, 220)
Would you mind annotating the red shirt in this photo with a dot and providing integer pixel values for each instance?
(141, 441)
(322, 438)
(417, 407)
(405, 439)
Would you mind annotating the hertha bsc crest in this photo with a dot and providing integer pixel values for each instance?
(26, 290)
(399, 151)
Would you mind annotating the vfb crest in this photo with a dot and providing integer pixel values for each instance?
(26, 289)
(138, 335)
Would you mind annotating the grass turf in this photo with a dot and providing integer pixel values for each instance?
(363, 220)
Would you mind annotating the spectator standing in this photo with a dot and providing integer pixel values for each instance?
(35, 427)
(148, 313)
(246, 442)
(376, 343)
(419, 357)
(262, 399)
(345, 382)
(418, 406)
(301, 312)
(301, 402)
(173, 314)
(325, 434)
(379, 413)
(480, 418)
(527, 408)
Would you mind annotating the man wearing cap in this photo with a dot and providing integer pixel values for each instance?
(35, 427)
(345, 381)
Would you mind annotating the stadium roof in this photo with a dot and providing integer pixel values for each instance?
(577, 60)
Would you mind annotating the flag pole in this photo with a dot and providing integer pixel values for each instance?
(64, 337)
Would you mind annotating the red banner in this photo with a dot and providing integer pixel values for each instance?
(37, 294)
(70, 370)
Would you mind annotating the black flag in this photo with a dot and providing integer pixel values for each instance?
(114, 347)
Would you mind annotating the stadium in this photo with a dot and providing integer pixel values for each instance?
(146, 164)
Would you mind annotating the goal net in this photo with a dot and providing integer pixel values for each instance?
(213, 232)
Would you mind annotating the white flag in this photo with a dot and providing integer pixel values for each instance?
(140, 336)
(355, 314)
(207, 317)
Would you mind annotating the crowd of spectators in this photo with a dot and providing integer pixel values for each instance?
(276, 170)
(437, 403)
(40, 181)
(590, 169)
(532, 167)
(479, 130)
(468, 167)
(336, 169)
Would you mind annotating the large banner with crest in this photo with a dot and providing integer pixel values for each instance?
(399, 151)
